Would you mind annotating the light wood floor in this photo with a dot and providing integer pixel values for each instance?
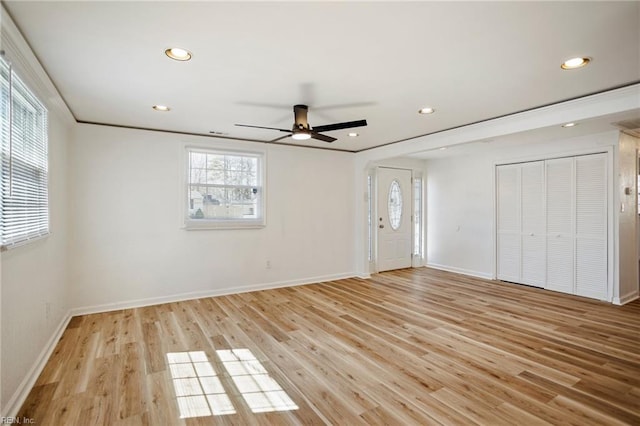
(415, 346)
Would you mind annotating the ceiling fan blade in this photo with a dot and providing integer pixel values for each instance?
(338, 126)
(262, 127)
(323, 138)
(280, 138)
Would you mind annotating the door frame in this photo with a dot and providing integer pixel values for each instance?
(417, 259)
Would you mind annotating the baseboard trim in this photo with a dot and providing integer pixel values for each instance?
(460, 271)
(20, 395)
(629, 297)
(108, 307)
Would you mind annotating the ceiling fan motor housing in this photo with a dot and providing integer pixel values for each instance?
(300, 114)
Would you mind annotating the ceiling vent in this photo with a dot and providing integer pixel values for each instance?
(631, 127)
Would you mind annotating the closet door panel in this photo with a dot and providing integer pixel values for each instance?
(534, 260)
(533, 224)
(509, 259)
(591, 226)
(591, 271)
(560, 224)
(560, 264)
(508, 222)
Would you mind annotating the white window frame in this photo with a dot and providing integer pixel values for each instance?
(34, 224)
(203, 224)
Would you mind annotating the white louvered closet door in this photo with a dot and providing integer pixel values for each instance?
(552, 227)
(533, 227)
(560, 224)
(591, 226)
(508, 222)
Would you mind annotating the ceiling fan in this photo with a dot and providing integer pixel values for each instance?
(302, 131)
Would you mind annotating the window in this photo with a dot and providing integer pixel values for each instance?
(394, 205)
(24, 207)
(417, 216)
(224, 189)
(370, 217)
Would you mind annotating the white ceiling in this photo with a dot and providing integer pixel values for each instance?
(379, 61)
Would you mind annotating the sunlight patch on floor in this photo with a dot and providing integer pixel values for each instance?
(199, 391)
(259, 390)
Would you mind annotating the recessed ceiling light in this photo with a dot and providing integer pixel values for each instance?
(569, 124)
(178, 54)
(353, 134)
(573, 63)
(426, 110)
(443, 148)
(161, 108)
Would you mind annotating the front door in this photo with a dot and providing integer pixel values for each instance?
(394, 219)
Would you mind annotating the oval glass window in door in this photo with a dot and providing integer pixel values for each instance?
(395, 205)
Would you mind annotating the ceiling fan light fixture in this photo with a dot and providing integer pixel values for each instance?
(301, 136)
(573, 63)
(178, 54)
(426, 110)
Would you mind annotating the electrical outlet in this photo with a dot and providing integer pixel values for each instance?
(268, 266)
(47, 311)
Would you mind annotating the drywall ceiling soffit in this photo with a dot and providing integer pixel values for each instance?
(601, 124)
(379, 61)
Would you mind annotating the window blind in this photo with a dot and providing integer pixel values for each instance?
(24, 208)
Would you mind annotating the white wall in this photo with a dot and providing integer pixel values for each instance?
(34, 303)
(459, 211)
(33, 276)
(460, 200)
(127, 247)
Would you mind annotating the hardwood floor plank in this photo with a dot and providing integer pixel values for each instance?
(413, 346)
(33, 408)
(586, 399)
(519, 416)
(160, 397)
(583, 414)
(129, 389)
(478, 413)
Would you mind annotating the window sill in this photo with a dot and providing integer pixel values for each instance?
(204, 225)
(24, 242)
